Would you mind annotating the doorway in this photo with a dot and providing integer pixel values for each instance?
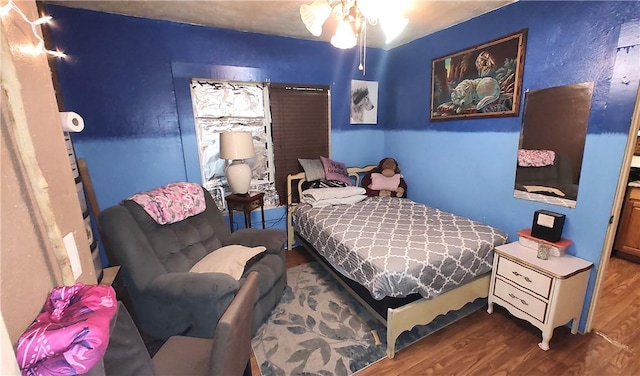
(615, 214)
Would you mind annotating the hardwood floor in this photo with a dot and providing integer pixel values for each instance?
(500, 344)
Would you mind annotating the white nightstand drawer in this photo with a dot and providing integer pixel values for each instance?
(528, 304)
(547, 293)
(525, 277)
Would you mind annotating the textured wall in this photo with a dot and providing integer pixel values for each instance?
(121, 76)
(468, 166)
(568, 42)
(28, 269)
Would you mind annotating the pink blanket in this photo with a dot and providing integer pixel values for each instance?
(172, 203)
(71, 333)
(536, 158)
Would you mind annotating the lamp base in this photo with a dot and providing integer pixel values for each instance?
(239, 177)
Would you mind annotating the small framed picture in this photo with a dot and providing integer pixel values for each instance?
(364, 102)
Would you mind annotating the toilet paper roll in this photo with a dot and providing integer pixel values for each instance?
(71, 122)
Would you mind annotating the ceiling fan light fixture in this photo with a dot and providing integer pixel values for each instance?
(392, 26)
(371, 9)
(344, 38)
(314, 15)
(352, 17)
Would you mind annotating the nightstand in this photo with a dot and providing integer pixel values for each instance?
(546, 293)
(245, 204)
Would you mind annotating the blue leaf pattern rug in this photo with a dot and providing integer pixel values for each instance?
(318, 328)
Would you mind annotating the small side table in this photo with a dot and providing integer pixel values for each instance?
(245, 204)
(546, 293)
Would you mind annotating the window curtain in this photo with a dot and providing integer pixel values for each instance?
(300, 128)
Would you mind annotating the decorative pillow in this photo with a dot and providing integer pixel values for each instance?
(230, 259)
(380, 182)
(324, 184)
(334, 170)
(313, 168)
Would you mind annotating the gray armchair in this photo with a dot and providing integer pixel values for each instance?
(166, 298)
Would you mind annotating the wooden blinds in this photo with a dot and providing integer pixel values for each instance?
(300, 128)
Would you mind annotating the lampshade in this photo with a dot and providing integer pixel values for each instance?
(236, 145)
(314, 15)
(392, 26)
(344, 37)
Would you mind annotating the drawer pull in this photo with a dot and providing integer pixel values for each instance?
(523, 276)
(524, 302)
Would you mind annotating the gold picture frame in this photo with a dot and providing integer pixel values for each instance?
(481, 81)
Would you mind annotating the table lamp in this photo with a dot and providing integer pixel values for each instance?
(237, 147)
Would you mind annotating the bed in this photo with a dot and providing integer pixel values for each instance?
(405, 262)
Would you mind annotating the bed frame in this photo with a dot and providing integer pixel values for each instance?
(396, 314)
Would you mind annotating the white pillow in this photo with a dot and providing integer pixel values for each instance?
(230, 259)
(337, 201)
(317, 194)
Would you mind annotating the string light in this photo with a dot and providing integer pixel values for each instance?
(5, 9)
(42, 20)
(39, 48)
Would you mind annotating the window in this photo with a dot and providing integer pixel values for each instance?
(300, 127)
(231, 106)
(287, 122)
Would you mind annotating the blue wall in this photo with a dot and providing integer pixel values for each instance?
(126, 77)
(468, 166)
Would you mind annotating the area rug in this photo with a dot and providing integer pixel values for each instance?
(318, 328)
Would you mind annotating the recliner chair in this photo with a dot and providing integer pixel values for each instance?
(155, 259)
(227, 354)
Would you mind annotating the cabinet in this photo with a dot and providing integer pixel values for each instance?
(78, 167)
(628, 236)
(546, 293)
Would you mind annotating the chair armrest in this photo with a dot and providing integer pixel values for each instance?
(191, 285)
(188, 303)
(273, 239)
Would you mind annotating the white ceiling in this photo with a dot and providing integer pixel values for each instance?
(283, 17)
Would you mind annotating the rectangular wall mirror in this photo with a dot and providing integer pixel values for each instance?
(554, 130)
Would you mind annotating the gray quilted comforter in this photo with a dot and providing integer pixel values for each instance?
(396, 247)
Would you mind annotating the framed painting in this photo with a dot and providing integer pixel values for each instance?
(479, 82)
(364, 102)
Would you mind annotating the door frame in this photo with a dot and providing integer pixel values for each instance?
(616, 211)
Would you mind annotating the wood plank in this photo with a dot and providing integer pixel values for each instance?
(109, 275)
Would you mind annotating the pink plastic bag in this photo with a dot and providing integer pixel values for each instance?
(71, 333)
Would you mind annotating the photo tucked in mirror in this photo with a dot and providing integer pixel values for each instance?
(554, 130)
